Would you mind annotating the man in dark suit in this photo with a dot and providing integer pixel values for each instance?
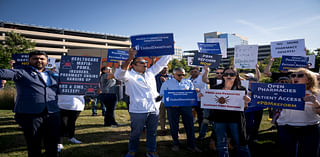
(36, 106)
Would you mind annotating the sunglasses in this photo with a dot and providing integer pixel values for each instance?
(229, 74)
(219, 73)
(181, 75)
(142, 62)
(297, 75)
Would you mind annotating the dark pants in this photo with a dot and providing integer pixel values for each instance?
(299, 141)
(187, 119)
(37, 126)
(68, 122)
(110, 101)
(199, 113)
(253, 120)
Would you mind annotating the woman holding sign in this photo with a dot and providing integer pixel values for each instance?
(232, 120)
(299, 130)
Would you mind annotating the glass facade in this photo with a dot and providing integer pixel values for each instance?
(233, 40)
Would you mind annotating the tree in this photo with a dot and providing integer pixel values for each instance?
(14, 43)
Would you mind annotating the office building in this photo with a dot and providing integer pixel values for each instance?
(232, 39)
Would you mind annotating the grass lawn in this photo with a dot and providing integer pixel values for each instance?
(100, 141)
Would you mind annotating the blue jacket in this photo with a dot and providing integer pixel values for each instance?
(33, 94)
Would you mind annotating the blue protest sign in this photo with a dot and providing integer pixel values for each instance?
(79, 75)
(153, 44)
(213, 48)
(117, 55)
(202, 59)
(286, 96)
(253, 107)
(180, 98)
(21, 60)
(290, 62)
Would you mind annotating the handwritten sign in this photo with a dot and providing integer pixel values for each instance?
(117, 55)
(246, 56)
(222, 43)
(202, 59)
(153, 44)
(79, 75)
(223, 99)
(180, 98)
(291, 62)
(213, 48)
(287, 96)
(288, 48)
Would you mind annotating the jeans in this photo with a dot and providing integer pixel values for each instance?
(138, 121)
(299, 141)
(222, 145)
(204, 124)
(187, 119)
(110, 102)
(94, 102)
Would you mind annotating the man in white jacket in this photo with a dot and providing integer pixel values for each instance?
(143, 108)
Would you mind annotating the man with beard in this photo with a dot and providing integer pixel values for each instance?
(36, 109)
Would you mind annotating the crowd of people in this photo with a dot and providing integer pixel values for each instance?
(45, 115)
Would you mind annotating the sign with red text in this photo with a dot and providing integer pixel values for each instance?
(223, 99)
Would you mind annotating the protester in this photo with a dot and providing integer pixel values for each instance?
(274, 75)
(196, 78)
(70, 108)
(299, 133)
(108, 96)
(179, 83)
(233, 120)
(253, 115)
(217, 79)
(160, 78)
(36, 106)
(142, 90)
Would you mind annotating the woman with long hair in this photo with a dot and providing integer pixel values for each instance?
(299, 133)
(232, 120)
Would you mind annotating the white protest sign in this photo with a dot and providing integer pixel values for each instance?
(288, 48)
(312, 61)
(223, 45)
(245, 83)
(223, 99)
(51, 63)
(246, 56)
(190, 61)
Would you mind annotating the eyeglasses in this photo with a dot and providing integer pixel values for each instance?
(219, 73)
(142, 62)
(229, 74)
(297, 75)
(181, 75)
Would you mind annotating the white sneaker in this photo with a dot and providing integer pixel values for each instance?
(75, 141)
(60, 147)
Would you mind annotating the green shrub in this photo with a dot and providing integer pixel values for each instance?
(7, 98)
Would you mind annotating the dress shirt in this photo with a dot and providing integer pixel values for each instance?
(142, 88)
(173, 84)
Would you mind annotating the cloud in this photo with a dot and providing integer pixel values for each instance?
(269, 31)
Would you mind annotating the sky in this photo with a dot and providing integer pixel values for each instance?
(261, 21)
